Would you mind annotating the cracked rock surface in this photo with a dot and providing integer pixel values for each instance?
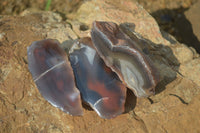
(174, 108)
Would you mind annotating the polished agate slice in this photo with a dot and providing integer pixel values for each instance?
(53, 75)
(122, 55)
(99, 86)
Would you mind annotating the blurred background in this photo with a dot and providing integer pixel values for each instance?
(180, 18)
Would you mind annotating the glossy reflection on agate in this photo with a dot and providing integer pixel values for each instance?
(99, 86)
(121, 54)
(53, 75)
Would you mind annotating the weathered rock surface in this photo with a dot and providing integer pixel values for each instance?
(174, 108)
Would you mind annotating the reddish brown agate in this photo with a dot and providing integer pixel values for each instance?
(99, 86)
(53, 75)
(121, 54)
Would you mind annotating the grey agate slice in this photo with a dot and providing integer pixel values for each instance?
(121, 54)
(100, 87)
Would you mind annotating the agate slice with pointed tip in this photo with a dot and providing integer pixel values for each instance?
(53, 75)
(120, 53)
(99, 86)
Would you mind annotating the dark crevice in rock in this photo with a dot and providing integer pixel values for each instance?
(2, 100)
(25, 60)
(183, 101)
(21, 98)
(150, 100)
(164, 129)
(136, 117)
(71, 26)
(64, 18)
(14, 43)
(181, 75)
(83, 27)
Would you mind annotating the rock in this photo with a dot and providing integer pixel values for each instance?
(174, 108)
(170, 114)
(165, 4)
(194, 18)
(13, 7)
(191, 70)
(114, 11)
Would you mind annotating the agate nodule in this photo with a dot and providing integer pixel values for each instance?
(100, 87)
(53, 75)
(122, 55)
